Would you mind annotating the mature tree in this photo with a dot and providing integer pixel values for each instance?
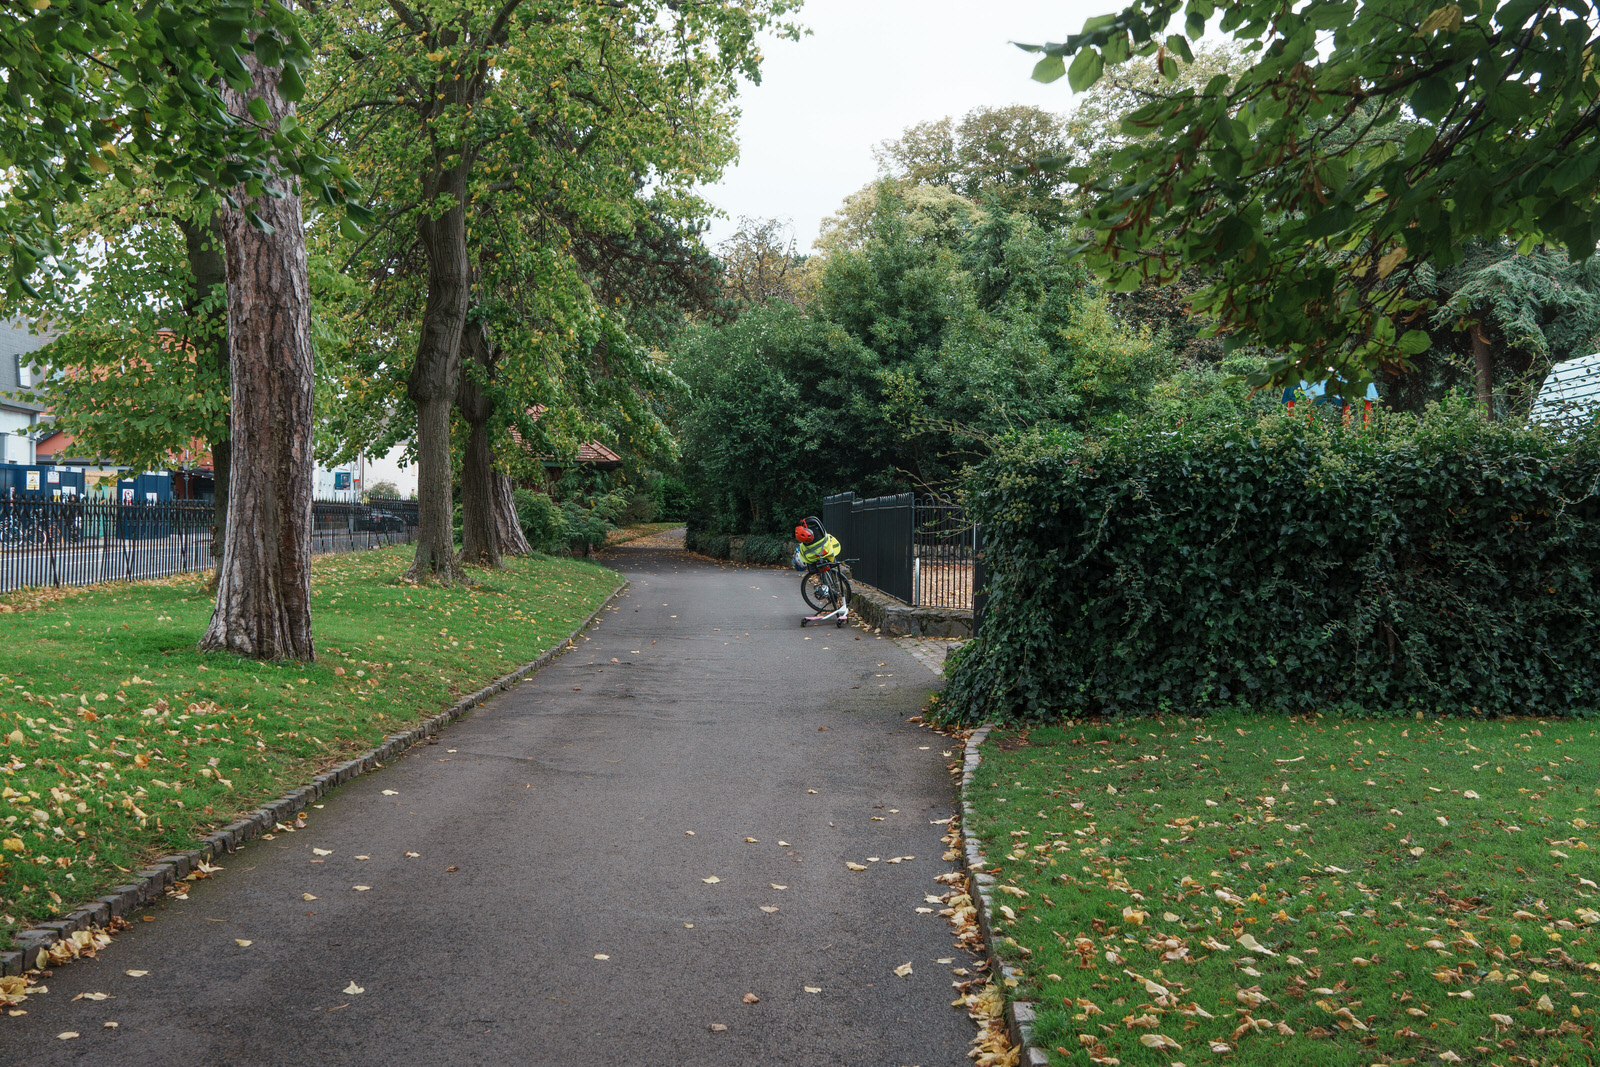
(1500, 318)
(932, 215)
(263, 605)
(921, 344)
(534, 106)
(989, 155)
(759, 262)
(139, 371)
(96, 89)
(1364, 139)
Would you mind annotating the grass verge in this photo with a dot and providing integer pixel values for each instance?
(120, 743)
(1318, 891)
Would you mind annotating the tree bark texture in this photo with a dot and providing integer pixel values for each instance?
(1483, 368)
(437, 372)
(208, 262)
(481, 542)
(263, 606)
(513, 542)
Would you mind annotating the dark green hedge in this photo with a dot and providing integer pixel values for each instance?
(741, 548)
(1440, 564)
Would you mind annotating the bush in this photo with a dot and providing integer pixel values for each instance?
(1442, 564)
(768, 549)
(541, 520)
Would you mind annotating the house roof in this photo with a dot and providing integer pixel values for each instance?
(590, 453)
(17, 341)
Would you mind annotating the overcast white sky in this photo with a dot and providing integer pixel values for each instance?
(869, 69)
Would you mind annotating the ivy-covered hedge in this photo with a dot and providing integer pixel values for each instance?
(1441, 564)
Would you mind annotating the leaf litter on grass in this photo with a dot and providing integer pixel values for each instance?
(1264, 890)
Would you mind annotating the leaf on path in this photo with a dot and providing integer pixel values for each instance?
(751, 998)
(812, 988)
(751, 841)
(67, 1035)
(601, 956)
(391, 792)
(92, 996)
(902, 970)
(243, 942)
(307, 896)
(135, 974)
(109, 1025)
(352, 989)
(717, 1028)
(322, 852)
(361, 888)
(769, 909)
(688, 833)
(363, 857)
(775, 885)
(855, 866)
(713, 880)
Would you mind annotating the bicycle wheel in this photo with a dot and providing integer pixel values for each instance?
(821, 590)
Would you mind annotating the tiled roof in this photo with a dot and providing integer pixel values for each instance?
(590, 454)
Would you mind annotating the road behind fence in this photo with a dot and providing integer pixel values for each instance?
(72, 542)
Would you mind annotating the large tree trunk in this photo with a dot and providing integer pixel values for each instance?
(1483, 369)
(480, 534)
(437, 371)
(513, 542)
(204, 247)
(264, 583)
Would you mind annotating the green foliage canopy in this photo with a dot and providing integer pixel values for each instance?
(97, 88)
(1365, 137)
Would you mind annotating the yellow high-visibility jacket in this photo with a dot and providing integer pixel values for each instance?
(827, 549)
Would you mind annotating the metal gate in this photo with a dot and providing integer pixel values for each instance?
(877, 538)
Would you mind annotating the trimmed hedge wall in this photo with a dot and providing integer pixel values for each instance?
(741, 548)
(1441, 564)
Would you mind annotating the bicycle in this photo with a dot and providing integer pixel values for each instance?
(825, 586)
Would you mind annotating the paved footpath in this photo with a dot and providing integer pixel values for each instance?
(552, 828)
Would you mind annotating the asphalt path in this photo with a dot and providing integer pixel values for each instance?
(565, 877)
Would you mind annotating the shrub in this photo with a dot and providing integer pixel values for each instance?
(541, 520)
(741, 548)
(1438, 563)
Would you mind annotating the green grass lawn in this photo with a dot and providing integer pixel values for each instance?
(120, 743)
(1313, 891)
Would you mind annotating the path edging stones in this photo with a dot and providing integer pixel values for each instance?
(152, 882)
(980, 887)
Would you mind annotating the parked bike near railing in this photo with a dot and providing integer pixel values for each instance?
(826, 585)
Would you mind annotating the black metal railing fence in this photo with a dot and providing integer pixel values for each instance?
(923, 551)
(82, 542)
(944, 553)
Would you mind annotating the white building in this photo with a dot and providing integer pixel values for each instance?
(19, 419)
(350, 481)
